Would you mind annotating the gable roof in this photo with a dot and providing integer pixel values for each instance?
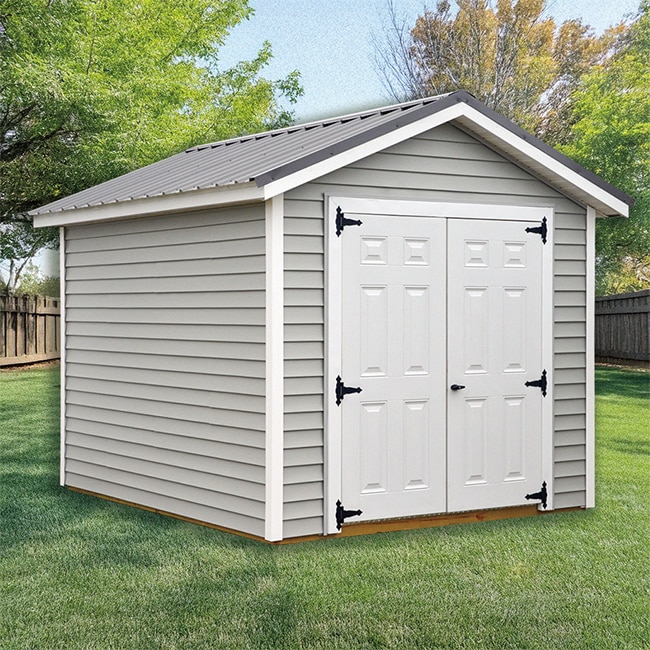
(260, 166)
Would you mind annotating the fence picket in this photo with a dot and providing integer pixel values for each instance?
(29, 329)
(623, 327)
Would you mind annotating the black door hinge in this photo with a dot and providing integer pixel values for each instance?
(542, 495)
(539, 383)
(342, 221)
(540, 230)
(342, 390)
(342, 514)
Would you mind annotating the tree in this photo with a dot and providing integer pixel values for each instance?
(19, 243)
(92, 89)
(511, 58)
(33, 283)
(611, 136)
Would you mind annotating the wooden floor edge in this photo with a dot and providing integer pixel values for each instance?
(360, 528)
(165, 513)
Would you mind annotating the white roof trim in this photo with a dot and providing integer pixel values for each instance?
(154, 206)
(511, 143)
(530, 156)
(367, 149)
(603, 201)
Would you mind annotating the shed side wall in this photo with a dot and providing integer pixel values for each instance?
(165, 363)
(445, 164)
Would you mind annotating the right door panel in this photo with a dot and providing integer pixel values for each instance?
(494, 347)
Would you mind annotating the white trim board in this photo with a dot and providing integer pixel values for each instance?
(554, 171)
(525, 153)
(154, 206)
(448, 210)
(62, 347)
(590, 343)
(274, 228)
(333, 318)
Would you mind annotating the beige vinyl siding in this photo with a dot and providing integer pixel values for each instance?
(165, 369)
(445, 164)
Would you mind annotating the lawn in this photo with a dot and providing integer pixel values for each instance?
(80, 572)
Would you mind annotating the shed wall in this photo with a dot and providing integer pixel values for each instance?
(445, 164)
(165, 364)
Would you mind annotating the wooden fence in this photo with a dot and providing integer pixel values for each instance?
(30, 329)
(623, 328)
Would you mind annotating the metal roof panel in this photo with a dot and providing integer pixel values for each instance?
(266, 157)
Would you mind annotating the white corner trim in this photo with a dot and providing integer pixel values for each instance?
(62, 349)
(154, 205)
(333, 352)
(590, 433)
(274, 229)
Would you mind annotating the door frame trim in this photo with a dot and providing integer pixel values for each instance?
(333, 317)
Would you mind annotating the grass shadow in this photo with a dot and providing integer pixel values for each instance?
(613, 382)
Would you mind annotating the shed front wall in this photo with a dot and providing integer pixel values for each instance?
(165, 363)
(445, 164)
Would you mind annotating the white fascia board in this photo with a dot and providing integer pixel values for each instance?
(274, 344)
(552, 165)
(153, 206)
(481, 122)
(362, 151)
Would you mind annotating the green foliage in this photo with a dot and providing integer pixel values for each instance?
(34, 284)
(611, 136)
(506, 53)
(586, 94)
(93, 89)
(19, 242)
(80, 572)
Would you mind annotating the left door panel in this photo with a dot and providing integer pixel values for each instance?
(393, 434)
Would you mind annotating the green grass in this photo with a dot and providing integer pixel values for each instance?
(80, 572)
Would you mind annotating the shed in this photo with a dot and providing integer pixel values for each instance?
(375, 321)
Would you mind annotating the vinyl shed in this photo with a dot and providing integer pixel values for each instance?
(386, 316)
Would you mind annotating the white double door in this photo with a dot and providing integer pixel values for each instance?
(428, 303)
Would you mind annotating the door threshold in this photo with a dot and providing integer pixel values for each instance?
(428, 521)
(444, 519)
(432, 521)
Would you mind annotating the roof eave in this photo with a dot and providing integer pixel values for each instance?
(198, 199)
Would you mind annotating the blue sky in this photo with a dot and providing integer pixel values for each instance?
(330, 42)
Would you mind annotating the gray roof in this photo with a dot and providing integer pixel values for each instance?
(267, 157)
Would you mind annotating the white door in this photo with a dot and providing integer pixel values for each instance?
(427, 303)
(495, 346)
(394, 349)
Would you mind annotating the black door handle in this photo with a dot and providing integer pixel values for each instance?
(456, 387)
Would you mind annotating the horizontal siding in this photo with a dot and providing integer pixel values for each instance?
(192, 509)
(445, 164)
(570, 309)
(165, 400)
